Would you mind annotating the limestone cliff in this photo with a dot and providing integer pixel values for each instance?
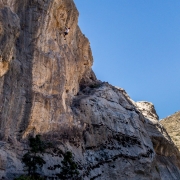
(172, 125)
(48, 87)
(40, 71)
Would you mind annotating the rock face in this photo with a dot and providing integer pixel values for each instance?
(172, 125)
(48, 87)
(166, 151)
(40, 71)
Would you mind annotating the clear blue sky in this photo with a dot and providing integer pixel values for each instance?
(136, 46)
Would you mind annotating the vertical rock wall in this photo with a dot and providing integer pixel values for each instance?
(47, 87)
(40, 71)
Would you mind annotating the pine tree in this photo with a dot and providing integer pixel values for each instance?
(69, 169)
(32, 159)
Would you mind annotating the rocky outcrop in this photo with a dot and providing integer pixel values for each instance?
(172, 125)
(48, 87)
(116, 143)
(166, 151)
(154, 128)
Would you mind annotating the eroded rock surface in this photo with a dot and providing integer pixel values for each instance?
(172, 125)
(48, 87)
(40, 71)
(166, 151)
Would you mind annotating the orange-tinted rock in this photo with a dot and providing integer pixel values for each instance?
(47, 87)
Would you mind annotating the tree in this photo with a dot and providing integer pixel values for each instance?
(32, 159)
(69, 169)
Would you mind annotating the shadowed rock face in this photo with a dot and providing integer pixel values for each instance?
(48, 87)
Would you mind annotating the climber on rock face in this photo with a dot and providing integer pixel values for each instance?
(66, 32)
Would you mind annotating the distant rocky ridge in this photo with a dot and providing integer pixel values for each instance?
(172, 125)
(47, 87)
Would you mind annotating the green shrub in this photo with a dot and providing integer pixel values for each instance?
(94, 85)
(157, 169)
(23, 177)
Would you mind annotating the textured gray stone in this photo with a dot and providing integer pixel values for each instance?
(47, 87)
